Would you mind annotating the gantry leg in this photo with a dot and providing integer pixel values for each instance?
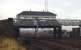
(59, 32)
(54, 32)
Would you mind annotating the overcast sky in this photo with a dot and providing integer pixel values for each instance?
(63, 8)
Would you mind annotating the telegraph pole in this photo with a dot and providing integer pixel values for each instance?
(46, 5)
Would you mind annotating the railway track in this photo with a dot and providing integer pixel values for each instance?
(72, 43)
(52, 45)
(44, 46)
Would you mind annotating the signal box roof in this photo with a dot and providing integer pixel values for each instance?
(37, 13)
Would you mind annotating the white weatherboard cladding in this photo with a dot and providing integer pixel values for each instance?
(42, 32)
(34, 16)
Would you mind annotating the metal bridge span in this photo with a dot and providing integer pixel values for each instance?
(68, 22)
(46, 22)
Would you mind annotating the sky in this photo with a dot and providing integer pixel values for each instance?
(65, 9)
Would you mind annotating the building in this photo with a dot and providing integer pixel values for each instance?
(75, 33)
(37, 19)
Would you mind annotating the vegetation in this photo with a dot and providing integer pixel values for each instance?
(10, 44)
(7, 39)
